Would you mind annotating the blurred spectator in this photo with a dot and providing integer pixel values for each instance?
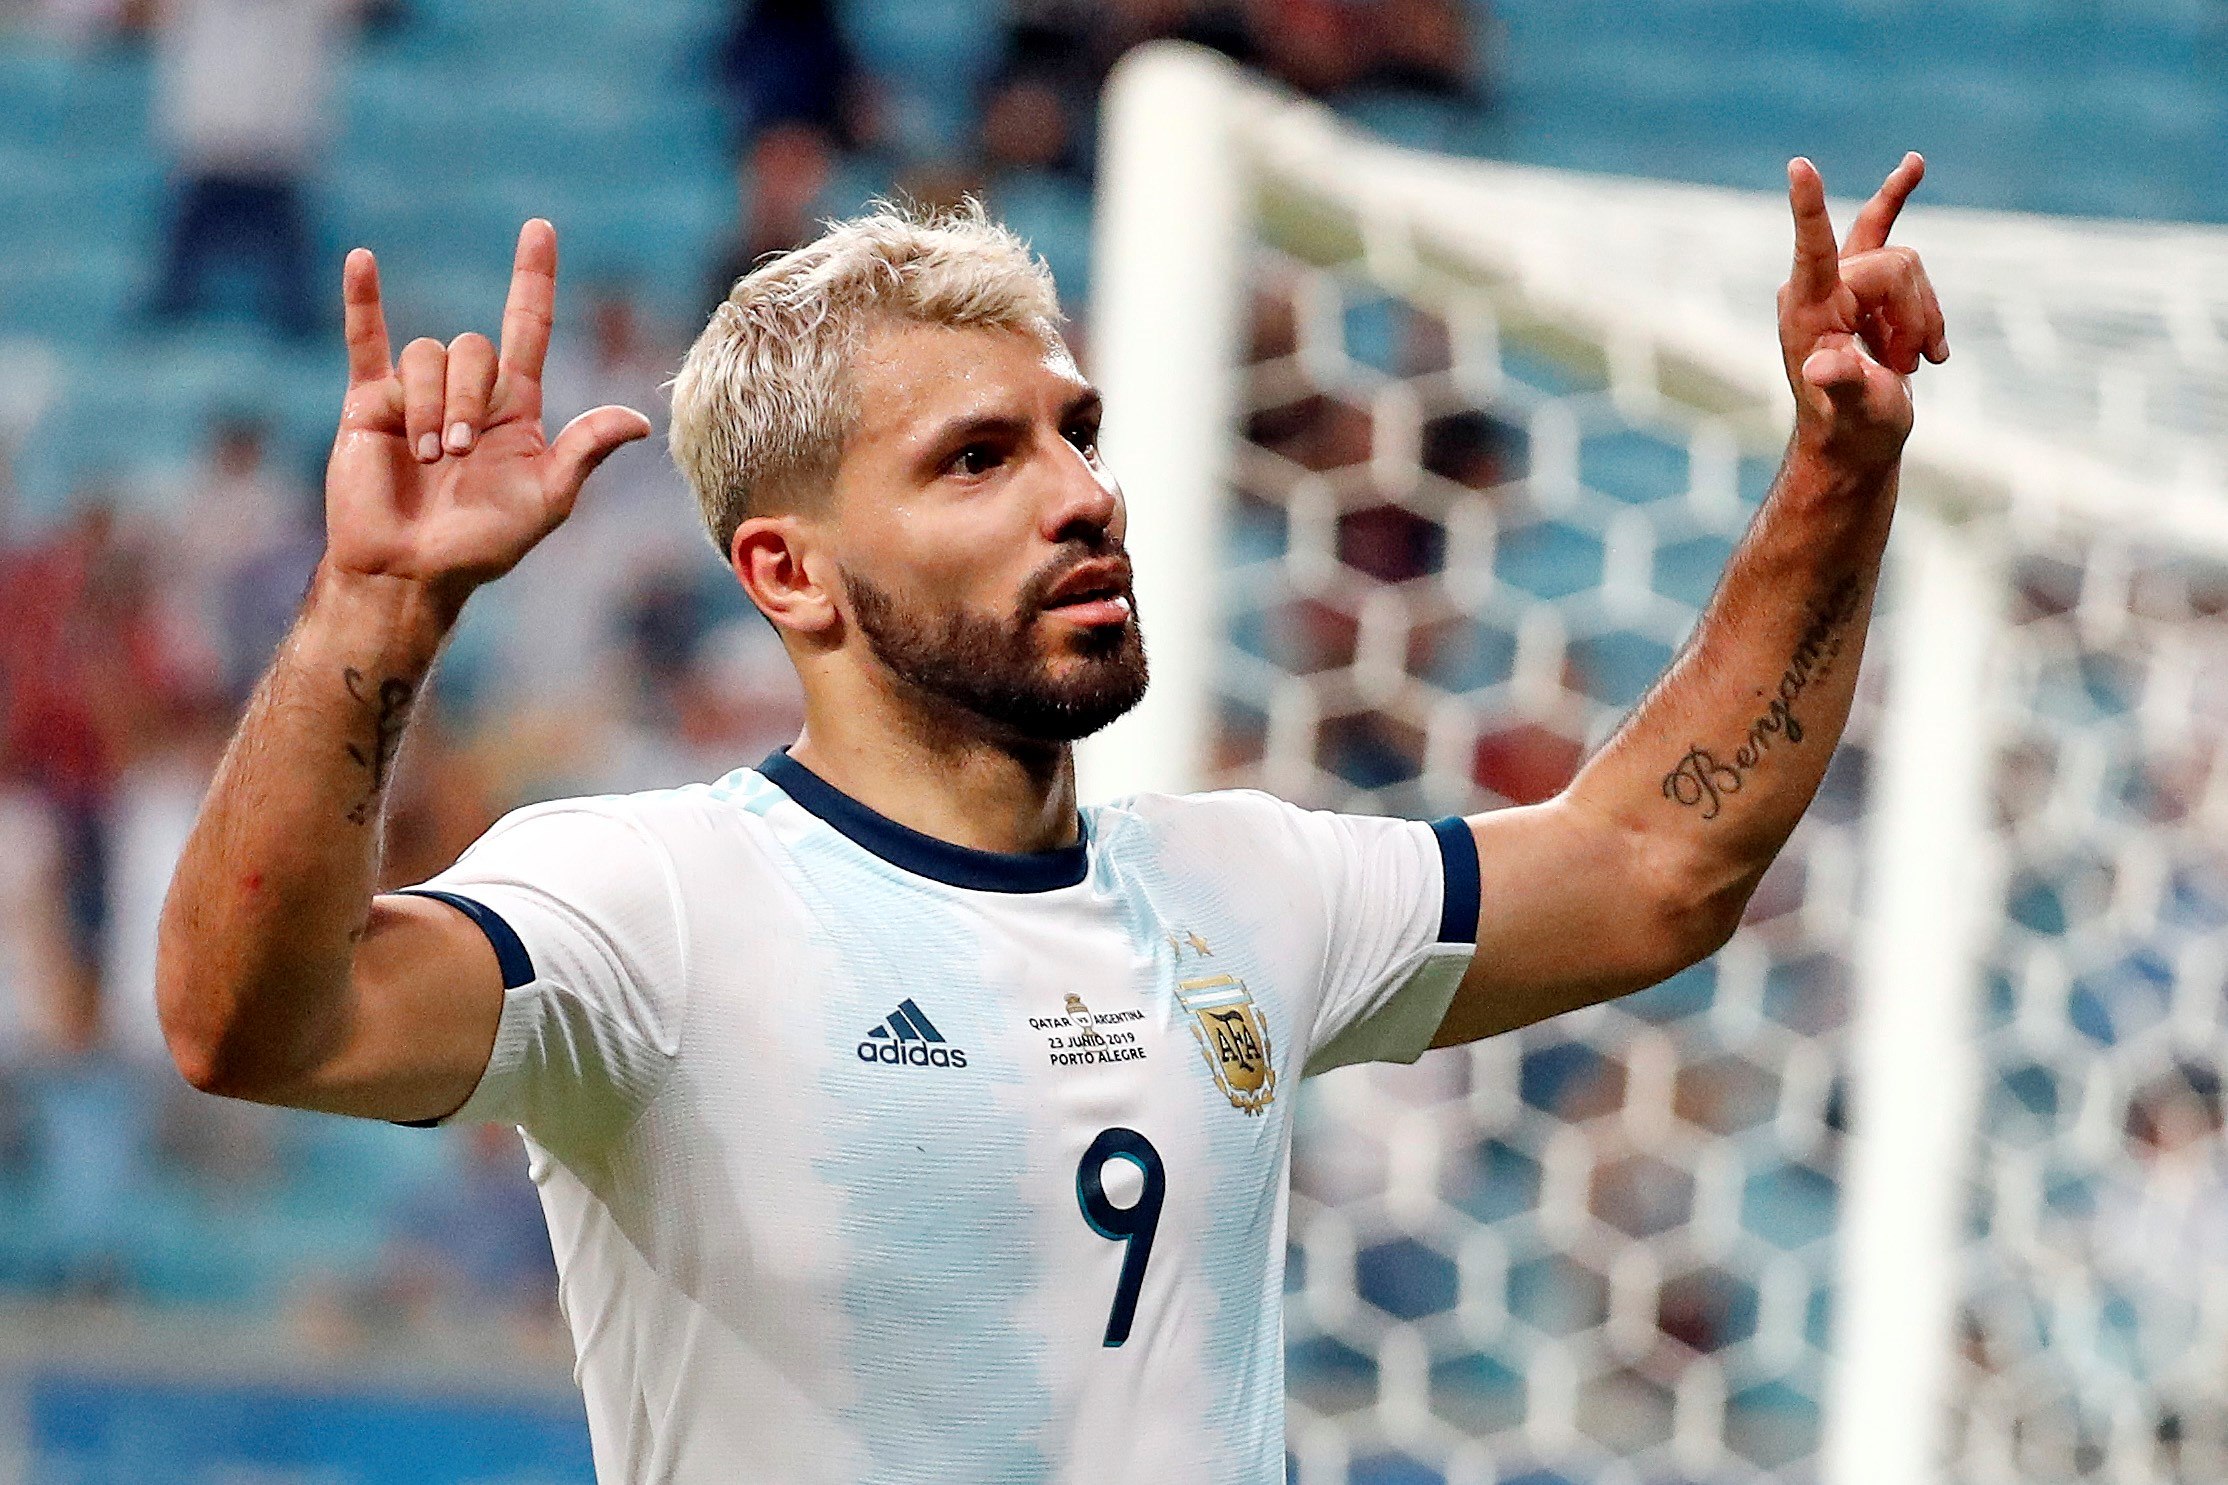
(559, 665)
(1328, 48)
(787, 62)
(36, 944)
(942, 185)
(441, 801)
(236, 564)
(243, 106)
(262, 595)
(1029, 123)
(150, 813)
(1037, 111)
(1422, 47)
(638, 663)
(1316, 46)
(88, 678)
(88, 684)
(621, 358)
(1219, 25)
(77, 22)
(709, 687)
(1040, 108)
(1069, 46)
(247, 543)
(66, 1120)
(779, 180)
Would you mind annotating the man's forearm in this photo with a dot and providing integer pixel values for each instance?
(1724, 755)
(275, 882)
(1646, 862)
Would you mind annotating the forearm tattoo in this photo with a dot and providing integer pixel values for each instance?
(1701, 779)
(387, 711)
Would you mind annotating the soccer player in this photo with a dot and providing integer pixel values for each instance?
(895, 1119)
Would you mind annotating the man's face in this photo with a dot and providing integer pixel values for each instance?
(980, 536)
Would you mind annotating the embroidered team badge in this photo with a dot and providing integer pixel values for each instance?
(1233, 1037)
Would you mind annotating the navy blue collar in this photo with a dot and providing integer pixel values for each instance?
(925, 855)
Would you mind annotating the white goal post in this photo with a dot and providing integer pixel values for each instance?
(2078, 437)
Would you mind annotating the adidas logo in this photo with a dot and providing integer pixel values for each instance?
(909, 1039)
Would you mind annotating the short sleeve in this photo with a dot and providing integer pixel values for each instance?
(581, 905)
(1401, 906)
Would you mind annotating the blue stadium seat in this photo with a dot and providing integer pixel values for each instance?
(958, 38)
(932, 57)
(1054, 214)
(69, 291)
(55, 97)
(1421, 122)
(531, 36)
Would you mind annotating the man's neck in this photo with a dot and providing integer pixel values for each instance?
(968, 790)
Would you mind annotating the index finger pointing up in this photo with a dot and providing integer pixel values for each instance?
(533, 302)
(1870, 230)
(1817, 260)
(364, 322)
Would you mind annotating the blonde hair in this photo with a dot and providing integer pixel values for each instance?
(763, 404)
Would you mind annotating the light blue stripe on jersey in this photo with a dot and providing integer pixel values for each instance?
(1244, 1347)
(956, 1394)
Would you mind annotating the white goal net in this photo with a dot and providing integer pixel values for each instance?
(1432, 465)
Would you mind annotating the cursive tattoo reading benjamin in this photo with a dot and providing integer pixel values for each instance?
(389, 707)
(1701, 779)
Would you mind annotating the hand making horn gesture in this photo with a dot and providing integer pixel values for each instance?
(1855, 321)
(441, 474)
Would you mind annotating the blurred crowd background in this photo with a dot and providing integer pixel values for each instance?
(178, 179)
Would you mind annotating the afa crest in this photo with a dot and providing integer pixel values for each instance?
(1234, 1038)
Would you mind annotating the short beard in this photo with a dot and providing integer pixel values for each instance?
(998, 673)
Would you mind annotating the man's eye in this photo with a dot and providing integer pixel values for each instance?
(1085, 436)
(976, 458)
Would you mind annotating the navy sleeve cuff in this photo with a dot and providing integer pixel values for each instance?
(1458, 858)
(510, 952)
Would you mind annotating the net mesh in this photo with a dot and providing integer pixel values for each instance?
(1499, 430)
(2096, 1281)
(1600, 1248)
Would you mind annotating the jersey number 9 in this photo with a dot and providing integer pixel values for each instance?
(1133, 1225)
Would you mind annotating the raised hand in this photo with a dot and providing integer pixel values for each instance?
(441, 473)
(1856, 320)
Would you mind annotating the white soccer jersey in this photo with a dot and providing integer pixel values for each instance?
(868, 1157)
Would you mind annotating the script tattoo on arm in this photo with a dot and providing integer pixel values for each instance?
(1701, 778)
(388, 706)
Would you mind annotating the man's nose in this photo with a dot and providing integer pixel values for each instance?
(1085, 500)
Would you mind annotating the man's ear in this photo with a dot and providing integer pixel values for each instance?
(768, 555)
